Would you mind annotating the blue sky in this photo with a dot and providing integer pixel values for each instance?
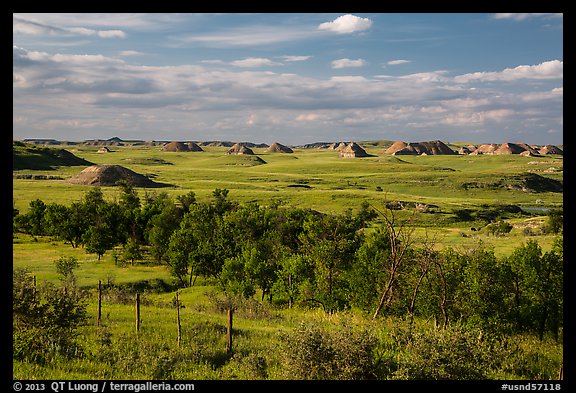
(289, 78)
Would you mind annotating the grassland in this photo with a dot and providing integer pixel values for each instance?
(311, 178)
(320, 180)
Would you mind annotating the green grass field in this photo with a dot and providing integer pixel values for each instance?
(334, 184)
(316, 179)
(320, 180)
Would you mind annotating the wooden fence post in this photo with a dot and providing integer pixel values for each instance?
(137, 312)
(99, 302)
(229, 331)
(178, 319)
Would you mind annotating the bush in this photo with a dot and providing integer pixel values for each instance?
(45, 320)
(314, 353)
(499, 228)
(456, 353)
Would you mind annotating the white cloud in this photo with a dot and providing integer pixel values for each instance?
(309, 117)
(345, 63)
(398, 62)
(431, 76)
(346, 24)
(524, 16)
(296, 58)
(31, 27)
(83, 95)
(110, 34)
(477, 118)
(245, 36)
(130, 53)
(349, 78)
(254, 62)
(547, 70)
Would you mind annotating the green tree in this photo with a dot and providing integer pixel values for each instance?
(132, 251)
(65, 268)
(159, 229)
(330, 242)
(294, 272)
(483, 291)
(368, 275)
(33, 222)
(186, 200)
(554, 221)
(98, 239)
(537, 282)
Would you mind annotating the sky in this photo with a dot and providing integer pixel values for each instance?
(289, 78)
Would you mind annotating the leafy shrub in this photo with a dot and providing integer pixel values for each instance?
(451, 354)
(499, 228)
(314, 353)
(246, 366)
(45, 320)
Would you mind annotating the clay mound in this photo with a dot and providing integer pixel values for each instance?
(509, 148)
(550, 149)
(279, 148)
(419, 148)
(175, 146)
(193, 147)
(464, 150)
(239, 149)
(435, 148)
(527, 147)
(353, 150)
(104, 150)
(396, 146)
(341, 146)
(487, 148)
(108, 175)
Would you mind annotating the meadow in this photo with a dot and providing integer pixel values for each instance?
(448, 188)
(320, 180)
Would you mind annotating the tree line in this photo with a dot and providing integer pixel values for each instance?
(366, 259)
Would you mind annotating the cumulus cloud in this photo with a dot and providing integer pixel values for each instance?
(547, 70)
(254, 62)
(398, 62)
(346, 24)
(63, 92)
(345, 63)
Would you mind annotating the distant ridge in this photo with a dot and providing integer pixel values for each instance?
(410, 148)
(28, 156)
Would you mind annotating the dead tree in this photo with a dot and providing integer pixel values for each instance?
(400, 236)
